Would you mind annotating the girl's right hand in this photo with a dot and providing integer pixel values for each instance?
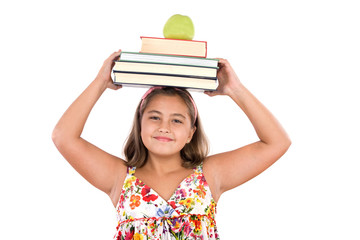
(104, 74)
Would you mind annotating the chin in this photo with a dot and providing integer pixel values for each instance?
(164, 152)
(164, 149)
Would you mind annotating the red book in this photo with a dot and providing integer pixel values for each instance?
(170, 46)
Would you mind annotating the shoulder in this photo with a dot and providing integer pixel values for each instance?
(209, 168)
(122, 169)
(121, 173)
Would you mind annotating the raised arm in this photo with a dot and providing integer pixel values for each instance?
(101, 169)
(231, 169)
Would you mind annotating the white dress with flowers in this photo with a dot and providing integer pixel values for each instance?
(189, 214)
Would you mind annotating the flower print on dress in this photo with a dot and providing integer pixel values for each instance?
(138, 236)
(182, 193)
(147, 197)
(196, 222)
(172, 204)
(188, 215)
(164, 211)
(202, 180)
(134, 201)
(187, 203)
(186, 228)
(129, 182)
(200, 191)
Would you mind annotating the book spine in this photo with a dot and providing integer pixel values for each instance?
(166, 63)
(180, 55)
(171, 56)
(173, 59)
(169, 75)
(200, 89)
(151, 80)
(175, 41)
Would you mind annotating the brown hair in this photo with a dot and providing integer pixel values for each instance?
(192, 154)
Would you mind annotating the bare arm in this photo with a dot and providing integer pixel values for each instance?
(238, 166)
(101, 169)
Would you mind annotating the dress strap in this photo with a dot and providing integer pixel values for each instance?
(199, 168)
(131, 171)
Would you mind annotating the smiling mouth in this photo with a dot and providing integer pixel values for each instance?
(163, 139)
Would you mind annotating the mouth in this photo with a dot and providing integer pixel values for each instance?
(163, 139)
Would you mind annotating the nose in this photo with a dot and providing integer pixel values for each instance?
(164, 127)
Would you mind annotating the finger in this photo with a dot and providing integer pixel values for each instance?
(211, 93)
(111, 59)
(115, 55)
(221, 60)
(221, 63)
(115, 87)
(117, 52)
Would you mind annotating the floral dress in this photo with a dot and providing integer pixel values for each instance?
(188, 214)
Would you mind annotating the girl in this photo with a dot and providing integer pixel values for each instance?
(167, 187)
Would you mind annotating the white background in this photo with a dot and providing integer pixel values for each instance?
(300, 58)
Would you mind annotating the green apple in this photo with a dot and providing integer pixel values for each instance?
(179, 27)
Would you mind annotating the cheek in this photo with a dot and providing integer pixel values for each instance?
(145, 130)
(183, 134)
(145, 138)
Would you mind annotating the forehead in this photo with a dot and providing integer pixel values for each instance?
(167, 103)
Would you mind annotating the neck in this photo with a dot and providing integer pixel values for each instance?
(163, 164)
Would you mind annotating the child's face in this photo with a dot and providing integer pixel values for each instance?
(166, 125)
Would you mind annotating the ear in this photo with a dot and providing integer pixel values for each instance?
(192, 131)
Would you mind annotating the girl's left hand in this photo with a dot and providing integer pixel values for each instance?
(227, 78)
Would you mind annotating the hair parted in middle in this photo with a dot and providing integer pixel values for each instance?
(192, 154)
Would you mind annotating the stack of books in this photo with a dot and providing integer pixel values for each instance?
(167, 62)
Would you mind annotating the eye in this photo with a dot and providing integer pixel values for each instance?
(177, 121)
(154, 118)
